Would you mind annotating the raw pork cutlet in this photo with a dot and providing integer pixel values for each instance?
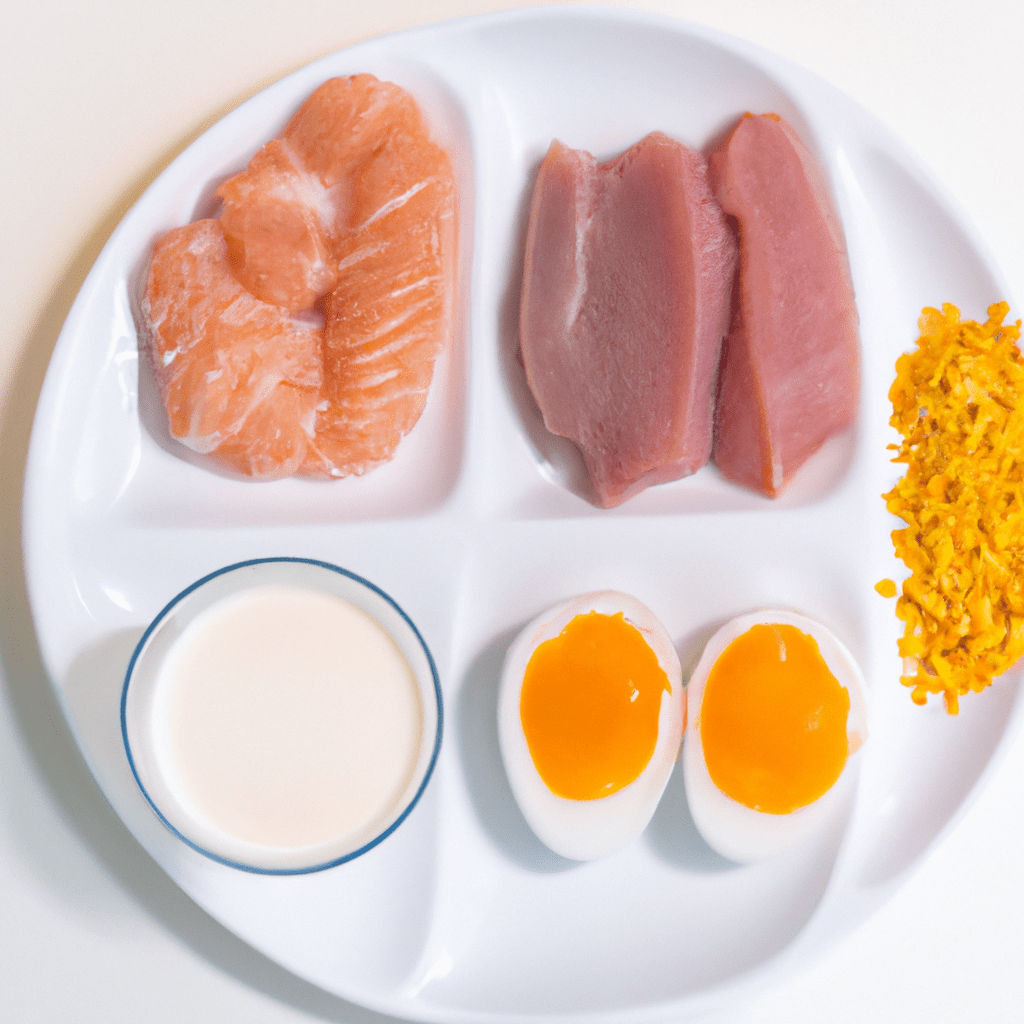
(350, 215)
(237, 377)
(791, 364)
(625, 301)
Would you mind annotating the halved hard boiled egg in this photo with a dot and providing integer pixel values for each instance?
(591, 712)
(776, 711)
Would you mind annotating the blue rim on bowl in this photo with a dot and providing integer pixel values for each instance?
(166, 629)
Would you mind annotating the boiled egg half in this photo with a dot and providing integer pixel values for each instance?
(591, 711)
(776, 712)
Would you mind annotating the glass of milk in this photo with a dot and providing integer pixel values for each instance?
(282, 715)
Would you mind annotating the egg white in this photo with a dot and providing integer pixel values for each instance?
(588, 829)
(732, 829)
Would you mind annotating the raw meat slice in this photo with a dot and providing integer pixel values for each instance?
(277, 220)
(239, 380)
(351, 216)
(791, 363)
(625, 301)
(389, 317)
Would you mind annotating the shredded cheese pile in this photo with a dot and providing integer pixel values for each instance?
(958, 402)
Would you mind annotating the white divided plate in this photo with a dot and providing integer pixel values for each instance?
(475, 527)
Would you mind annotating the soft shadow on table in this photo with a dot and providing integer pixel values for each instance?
(76, 799)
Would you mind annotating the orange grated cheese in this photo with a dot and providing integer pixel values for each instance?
(958, 402)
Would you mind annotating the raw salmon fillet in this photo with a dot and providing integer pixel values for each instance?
(349, 219)
(278, 222)
(236, 375)
(791, 363)
(625, 301)
(389, 317)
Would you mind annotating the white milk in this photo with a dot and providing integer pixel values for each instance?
(287, 717)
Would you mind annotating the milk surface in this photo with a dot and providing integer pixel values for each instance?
(287, 717)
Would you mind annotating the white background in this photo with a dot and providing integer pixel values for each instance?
(95, 99)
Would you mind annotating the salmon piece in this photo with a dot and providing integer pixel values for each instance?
(790, 374)
(390, 315)
(350, 214)
(278, 221)
(625, 301)
(239, 380)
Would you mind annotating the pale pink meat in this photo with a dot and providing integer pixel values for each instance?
(625, 301)
(790, 365)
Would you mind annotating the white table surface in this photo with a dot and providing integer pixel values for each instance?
(95, 99)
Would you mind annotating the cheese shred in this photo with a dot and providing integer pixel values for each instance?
(958, 403)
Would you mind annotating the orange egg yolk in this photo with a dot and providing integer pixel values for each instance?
(773, 720)
(590, 704)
